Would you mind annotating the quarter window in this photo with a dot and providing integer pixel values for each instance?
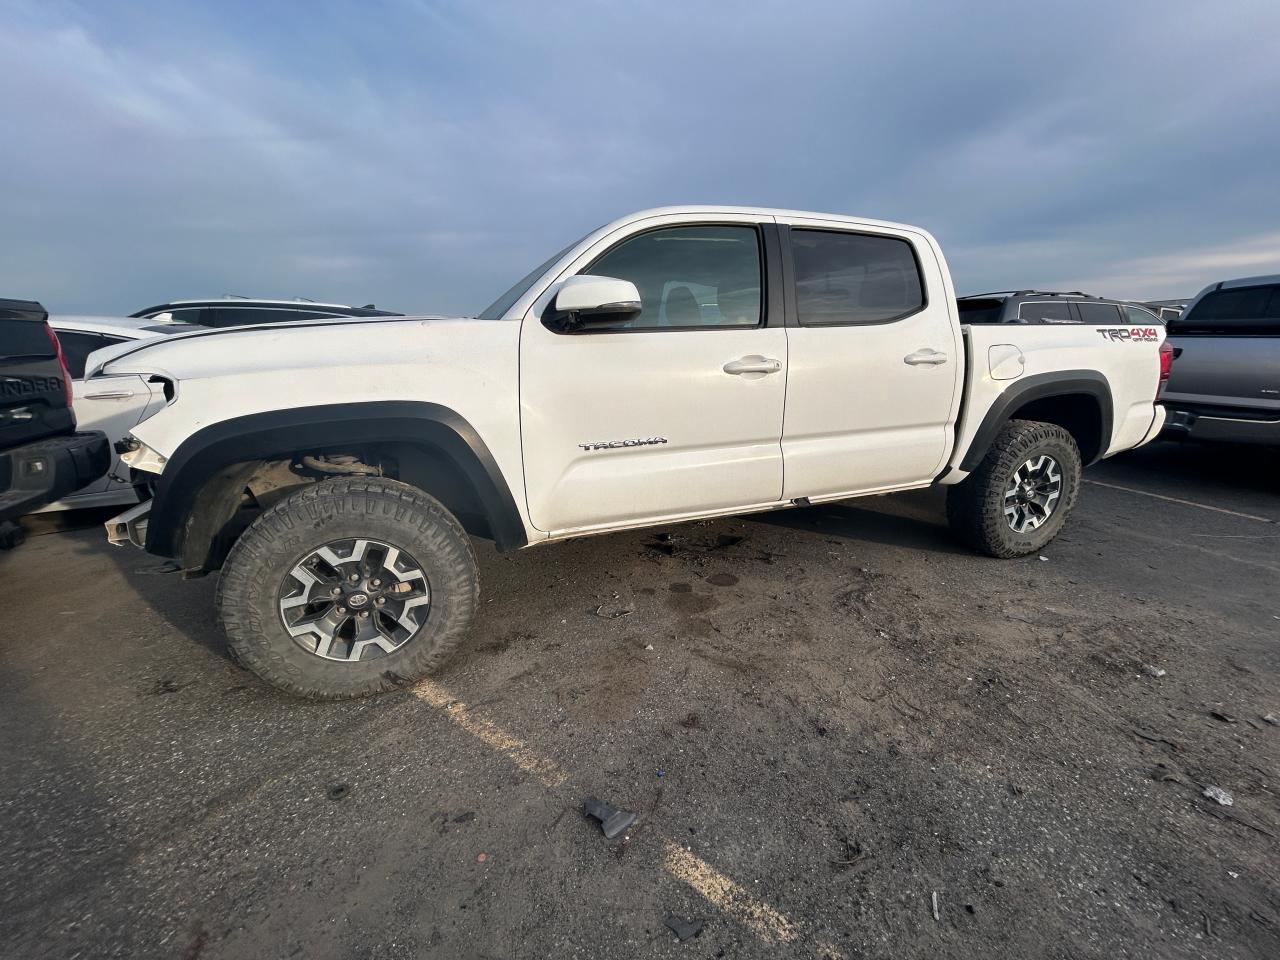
(1103, 314)
(853, 278)
(1136, 315)
(688, 277)
(76, 348)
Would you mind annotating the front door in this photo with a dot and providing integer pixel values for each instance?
(674, 412)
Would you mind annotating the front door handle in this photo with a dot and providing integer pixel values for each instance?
(110, 395)
(752, 364)
(925, 356)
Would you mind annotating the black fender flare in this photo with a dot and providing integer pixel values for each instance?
(219, 447)
(1041, 386)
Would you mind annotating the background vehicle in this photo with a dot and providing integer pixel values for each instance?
(334, 469)
(110, 404)
(1038, 306)
(1166, 309)
(242, 311)
(42, 457)
(1227, 385)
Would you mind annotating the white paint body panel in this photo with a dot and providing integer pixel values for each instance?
(843, 414)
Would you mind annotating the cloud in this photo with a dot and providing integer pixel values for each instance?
(424, 154)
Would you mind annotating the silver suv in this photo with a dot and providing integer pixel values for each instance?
(1226, 383)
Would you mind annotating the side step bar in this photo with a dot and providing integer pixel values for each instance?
(130, 526)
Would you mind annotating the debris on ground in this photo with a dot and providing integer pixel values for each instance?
(338, 791)
(613, 614)
(1224, 717)
(1272, 719)
(682, 928)
(612, 820)
(1153, 671)
(1220, 795)
(936, 914)
(1044, 558)
(691, 721)
(481, 857)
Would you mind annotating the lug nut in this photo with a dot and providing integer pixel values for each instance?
(354, 578)
(342, 609)
(381, 600)
(336, 591)
(377, 583)
(364, 614)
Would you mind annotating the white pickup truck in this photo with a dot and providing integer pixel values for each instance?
(678, 363)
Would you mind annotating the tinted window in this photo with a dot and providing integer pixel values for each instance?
(24, 338)
(689, 277)
(246, 316)
(1139, 317)
(1103, 314)
(76, 347)
(1045, 311)
(183, 315)
(1248, 311)
(849, 278)
(980, 311)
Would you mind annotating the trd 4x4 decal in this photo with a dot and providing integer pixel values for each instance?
(1129, 333)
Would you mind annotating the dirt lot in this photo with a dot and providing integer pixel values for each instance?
(823, 718)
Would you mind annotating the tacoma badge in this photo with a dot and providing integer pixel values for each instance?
(614, 444)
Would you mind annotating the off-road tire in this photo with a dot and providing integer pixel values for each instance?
(373, 507)
(975, 507)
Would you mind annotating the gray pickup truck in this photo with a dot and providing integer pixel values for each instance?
(1226, 383)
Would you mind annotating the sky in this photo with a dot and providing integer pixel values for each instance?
(424, 155)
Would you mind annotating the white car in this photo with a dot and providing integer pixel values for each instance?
(679, 363)
(109, 404)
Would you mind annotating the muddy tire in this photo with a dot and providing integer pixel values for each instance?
(1019, 497)
(347, 588)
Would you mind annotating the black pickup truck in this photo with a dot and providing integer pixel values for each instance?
(42, 458)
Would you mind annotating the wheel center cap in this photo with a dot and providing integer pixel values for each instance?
(357, 599)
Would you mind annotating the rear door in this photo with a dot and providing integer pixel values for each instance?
(677, 412)
(875, 360)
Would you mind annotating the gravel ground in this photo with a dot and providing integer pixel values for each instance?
(843, 735)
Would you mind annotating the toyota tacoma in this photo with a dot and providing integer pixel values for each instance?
(678, 363)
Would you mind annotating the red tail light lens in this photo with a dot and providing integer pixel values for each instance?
(1166, 364)
(62, 362)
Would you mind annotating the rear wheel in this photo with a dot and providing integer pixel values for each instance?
(348, 587)
(1019, 497)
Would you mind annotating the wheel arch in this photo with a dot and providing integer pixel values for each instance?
(199, 493)
(1079, 401)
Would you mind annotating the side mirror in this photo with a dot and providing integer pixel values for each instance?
(586, 300)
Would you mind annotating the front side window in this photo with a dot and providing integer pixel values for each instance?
(1103, 314)
(1245, 311)
(688, 277)
(853, 278)
(1045, 311)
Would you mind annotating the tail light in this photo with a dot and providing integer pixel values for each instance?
(62, 362)
(1166, 365)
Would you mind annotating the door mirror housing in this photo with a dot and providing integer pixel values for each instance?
(586, 300)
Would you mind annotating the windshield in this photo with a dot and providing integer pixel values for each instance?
(500, 306)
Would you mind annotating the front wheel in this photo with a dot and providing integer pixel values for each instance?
(348, 587)
(1019, 497)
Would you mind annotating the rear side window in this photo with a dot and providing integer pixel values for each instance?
(1045, 311)
(1138, 315)
(853, 278)
(1246, 311)
(1103, 314)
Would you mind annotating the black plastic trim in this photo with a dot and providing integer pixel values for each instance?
(1040, 387)
(267, 435)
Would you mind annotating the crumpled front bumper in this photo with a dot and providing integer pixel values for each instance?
(130, 526)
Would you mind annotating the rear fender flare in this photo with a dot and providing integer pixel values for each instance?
(1041, 386)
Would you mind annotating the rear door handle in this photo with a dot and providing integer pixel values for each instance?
(110, 395)
(752, 364)
(925, 356)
